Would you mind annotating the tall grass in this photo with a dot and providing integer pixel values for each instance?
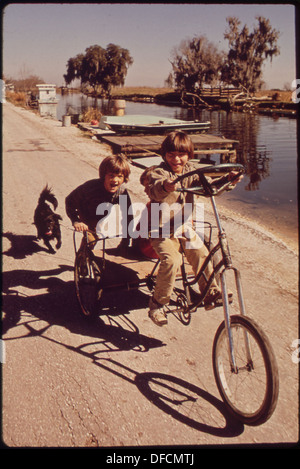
(18, 98)
(139, 91)
(90, 114)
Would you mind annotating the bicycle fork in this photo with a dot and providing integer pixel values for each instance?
(228, 266)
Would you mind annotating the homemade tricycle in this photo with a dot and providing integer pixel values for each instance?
(244, 364)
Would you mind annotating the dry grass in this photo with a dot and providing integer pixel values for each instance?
(91, 114)
(283, 96)
(17, 98)
(140, 91)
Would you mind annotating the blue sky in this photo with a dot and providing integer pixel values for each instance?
(40, 38)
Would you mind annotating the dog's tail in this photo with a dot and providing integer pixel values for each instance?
(48, 195)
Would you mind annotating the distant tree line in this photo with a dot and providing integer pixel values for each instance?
(197, 61)
(26, 84)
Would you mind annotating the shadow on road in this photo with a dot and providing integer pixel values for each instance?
(188, 403)
(22, 245)
(55, 303)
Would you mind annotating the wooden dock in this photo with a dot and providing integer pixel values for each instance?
(144, 145)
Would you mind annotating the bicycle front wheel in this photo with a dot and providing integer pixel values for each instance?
(87, 286)
(251, 390)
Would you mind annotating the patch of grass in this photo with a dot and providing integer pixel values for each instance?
(17, 98)
(277, 95)
(90, 114)
(139, 91)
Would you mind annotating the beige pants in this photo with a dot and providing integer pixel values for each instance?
(169, 252)
(82, 251)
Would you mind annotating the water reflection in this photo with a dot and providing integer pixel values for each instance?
(77, 103)
(245, 128)
(258, 167)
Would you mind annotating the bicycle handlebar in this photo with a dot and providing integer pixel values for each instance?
(220, 168)
(207, 187)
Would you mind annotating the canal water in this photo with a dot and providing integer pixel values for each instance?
(267, 148)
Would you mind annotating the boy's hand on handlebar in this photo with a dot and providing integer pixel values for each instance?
(234, 177)
(170, 185)
(227, 182)
(80, 226)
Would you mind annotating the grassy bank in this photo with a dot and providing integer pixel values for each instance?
(18, 98)
(131, 91)
(277, 95)
(267, 101)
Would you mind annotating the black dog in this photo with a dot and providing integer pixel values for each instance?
(46, 221)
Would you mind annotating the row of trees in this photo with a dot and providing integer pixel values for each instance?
(195, 62)
(24, 84)
(27, 81)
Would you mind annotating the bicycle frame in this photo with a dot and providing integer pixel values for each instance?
(125, 285)
(226, 264)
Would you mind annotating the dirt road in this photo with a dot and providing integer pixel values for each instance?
(120, 380)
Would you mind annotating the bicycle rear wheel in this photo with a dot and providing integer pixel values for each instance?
(183, 309)
(88, 291)
(251, 392)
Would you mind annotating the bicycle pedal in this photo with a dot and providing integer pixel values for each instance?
(210, 306)
(219, 301)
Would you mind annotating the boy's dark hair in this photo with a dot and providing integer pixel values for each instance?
(114, 164)
(177, 141)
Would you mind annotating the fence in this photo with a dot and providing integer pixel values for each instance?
(218, 92)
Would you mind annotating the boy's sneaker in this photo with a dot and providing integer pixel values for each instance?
(212, 298)
(219, 302)
(156, 313)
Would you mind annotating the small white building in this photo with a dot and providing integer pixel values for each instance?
(47, 100)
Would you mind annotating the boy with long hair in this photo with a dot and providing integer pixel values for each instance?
(176, 150)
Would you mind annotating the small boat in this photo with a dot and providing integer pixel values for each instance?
(150, 124)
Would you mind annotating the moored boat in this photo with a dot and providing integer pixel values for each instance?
(150, 124)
